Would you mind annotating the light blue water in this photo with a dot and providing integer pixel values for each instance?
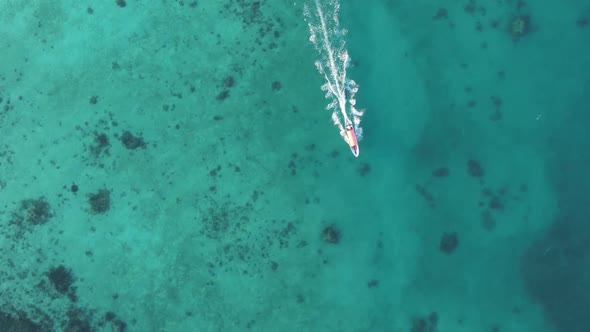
(169, 166)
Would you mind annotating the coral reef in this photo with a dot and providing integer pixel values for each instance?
(331, 234)
(449, 242)
(474, 168)
(61, 278)
(425, 324)
(37, 211)
(21, 323)
(100, 202)
(101, 144)
(519, 26)
(131, 141)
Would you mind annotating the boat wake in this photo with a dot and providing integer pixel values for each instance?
(329, 40)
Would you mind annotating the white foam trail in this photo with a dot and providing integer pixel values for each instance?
(329, 40)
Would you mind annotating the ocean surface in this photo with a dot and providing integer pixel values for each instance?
(171, 166)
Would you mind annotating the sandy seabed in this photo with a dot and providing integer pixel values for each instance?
(169, 166)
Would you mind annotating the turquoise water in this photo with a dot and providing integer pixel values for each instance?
(169, 166)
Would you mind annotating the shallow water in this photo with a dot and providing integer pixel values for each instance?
(169, 166)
